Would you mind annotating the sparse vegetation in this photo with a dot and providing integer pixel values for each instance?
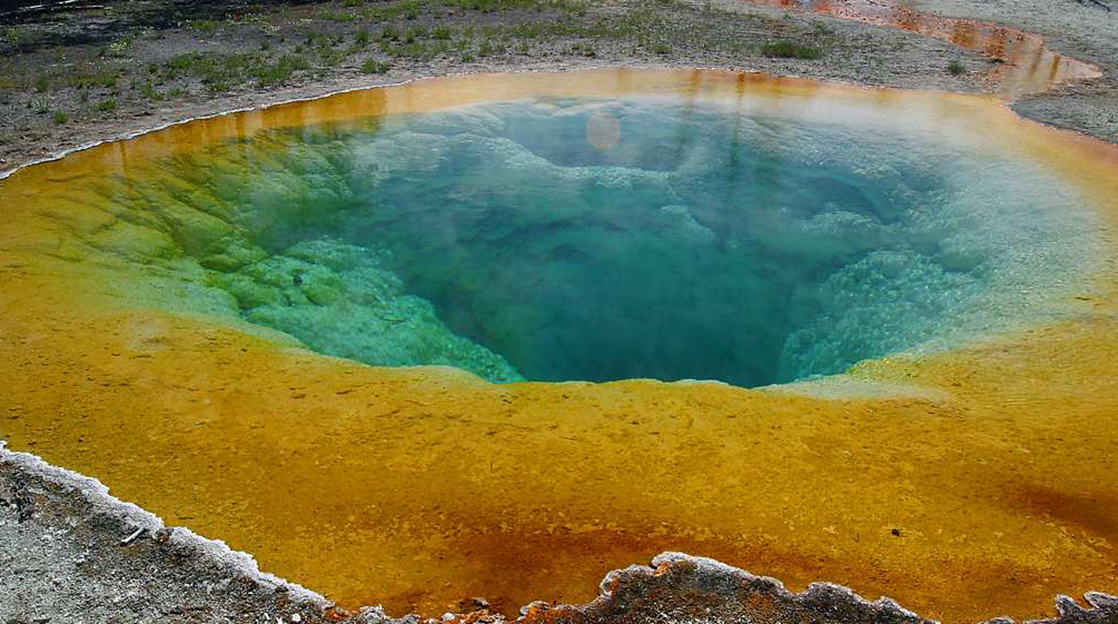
(791, 49)
(279, 72)
(263, 47)
(39, 105)
(119, 48)
(583, 49)
(490, 47)
(221, 72)
(373, 66)
(205, 27)
(390, 33)
(149, 92)
(955, 68)
(822, 29)
(415, 33)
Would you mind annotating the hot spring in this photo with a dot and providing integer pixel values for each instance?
(361, 337)
(569, 239)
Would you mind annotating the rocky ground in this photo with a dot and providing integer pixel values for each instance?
(1087, 31)
(71, 553)
(91, 75)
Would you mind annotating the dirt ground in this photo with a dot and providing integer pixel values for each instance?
(71, 553)
(73, 78)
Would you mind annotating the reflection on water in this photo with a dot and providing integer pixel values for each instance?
(1025, 64)
(127, 273)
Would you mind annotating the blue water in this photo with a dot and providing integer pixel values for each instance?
(601, 240)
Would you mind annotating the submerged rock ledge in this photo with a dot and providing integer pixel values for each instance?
(70, 550)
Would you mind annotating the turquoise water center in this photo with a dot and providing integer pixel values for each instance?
(559, 239)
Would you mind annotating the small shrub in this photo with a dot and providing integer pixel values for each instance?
(415, 32)
(40, 105)
(791, 49)
(184, 61)
(529, 30)
(279, 73)
(373, 66)
(148, 91)
(107, 106)
(60, 118)
(41, 84)
(203, 27)
(585, 49)
(337, 16)
(662, 48)
(490, 48)
(361, 38)
(955, 68)
(390, 33)
(119, 49)
(15, 36)
(442, 33)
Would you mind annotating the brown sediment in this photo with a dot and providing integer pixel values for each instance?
(1095, 514)
(1026, 64)
(417, 488)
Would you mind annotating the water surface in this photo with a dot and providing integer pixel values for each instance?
(142, 284)
(565, 239)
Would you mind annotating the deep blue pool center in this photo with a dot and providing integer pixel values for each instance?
(582, 239)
